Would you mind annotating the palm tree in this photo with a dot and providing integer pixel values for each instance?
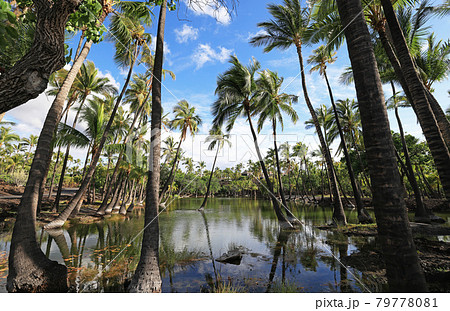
(320, 58)
(270, 105)
(147, 277)
(216, 137)
(402, 267)
(420, 100)
(7, 136)
(86, 83)
(286, 29)
(186, 120)
(236, 90)
(31, 142)
(127, 29)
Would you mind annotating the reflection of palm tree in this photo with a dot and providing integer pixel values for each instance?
(210, 247)
(283, 237)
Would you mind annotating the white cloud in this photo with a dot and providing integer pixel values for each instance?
(211, 8)
(186, 33)
(205, 53)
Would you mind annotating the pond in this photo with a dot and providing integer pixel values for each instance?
(101, 257)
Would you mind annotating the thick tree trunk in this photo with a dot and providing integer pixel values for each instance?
(147, 277)
(338, 211)
(423, 109)
(402, 265)
(29, 76)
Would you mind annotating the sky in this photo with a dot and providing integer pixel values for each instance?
(198, 45)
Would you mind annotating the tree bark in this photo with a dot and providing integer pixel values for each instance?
(423, 109)
(202, 207)
(402, 265)
(147, 277)
(29, 76)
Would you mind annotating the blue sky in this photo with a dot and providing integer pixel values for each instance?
(198, 45)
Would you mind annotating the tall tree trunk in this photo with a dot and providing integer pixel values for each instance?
(282, 220)
(61, 219)
(421, 214)
(402, 265)
(363, 216)
(169, 179)
(338, 211)
(292, 219)
(147, 277)
(423, 110)
(202, 207)
(29, 269)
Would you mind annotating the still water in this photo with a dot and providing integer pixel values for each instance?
(101, 257)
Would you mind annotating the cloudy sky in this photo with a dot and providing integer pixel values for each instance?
(199, 41)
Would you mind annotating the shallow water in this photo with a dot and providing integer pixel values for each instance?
(101, 257)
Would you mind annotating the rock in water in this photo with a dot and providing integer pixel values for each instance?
(233, 257)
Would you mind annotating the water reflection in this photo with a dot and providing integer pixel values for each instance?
(101, 257)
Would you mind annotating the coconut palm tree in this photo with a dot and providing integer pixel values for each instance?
(236, 91)
(128, 32)
(420, 100)
(86, 83)
(270, 106)
(7, 136)
(286, 29)
(402, 266)
(147, 277)
(186, 120)
(320, 58)
(216, 137)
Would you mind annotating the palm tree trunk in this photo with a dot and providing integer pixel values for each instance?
(147, 277)
(202, 207)
(424, 112)
(54, 174)
(282, 220)
(442, 121)
(363, 216)
(168, 181)
(61, 219)
(292, 219)
(402, 265)
(421, 213)
(338, 211)
(29, 269)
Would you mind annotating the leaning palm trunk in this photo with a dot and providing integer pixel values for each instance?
(170, 178)
(202, 207)
(292, 219)
(423, 110)
(102, 208)
(29, 269)
(338, 211)
(283, 221)
(147, 277)
(402, 265)
(61, 219)
(363, 216)
(442, 121)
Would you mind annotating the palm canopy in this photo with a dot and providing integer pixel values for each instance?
(88, 81)
(270, 103)
(286, 28)
(235, 90)
(127, 30)
(185, 119)
(319, 58)
(217, 137)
